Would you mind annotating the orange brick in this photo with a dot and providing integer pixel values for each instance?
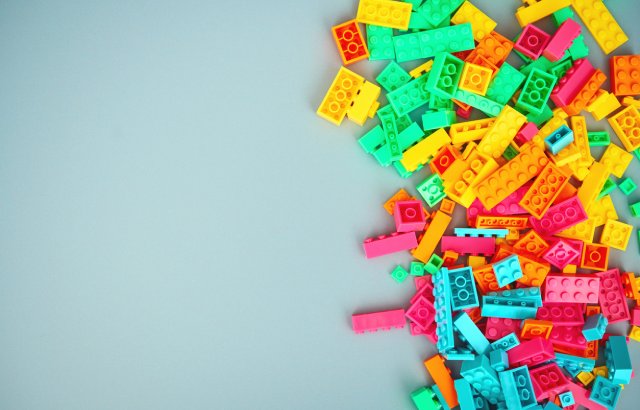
(535, 328)
(441, 376)
(531, 243)
(625, 75)
(544, 190)
(350, 42)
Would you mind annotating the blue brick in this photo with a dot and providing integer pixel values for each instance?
(465, 394)
(559, 139)
(470, 333)
(605, 392)
(506, 343)
(442, 305)
(594, 327)
(617, 359)
(479, 374)
(499, 360)
(463, 289)
(571, 362)
(517, 388)
(566, 399)
(485, 233)
(507, 270)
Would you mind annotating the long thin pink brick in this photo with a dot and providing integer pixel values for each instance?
(468, 246)
(371, 322)
(386, 244)
(531, 352)
(572, 82)
(562, 39)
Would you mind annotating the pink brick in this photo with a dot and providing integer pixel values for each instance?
(581, 397)
(561, 254)
(548, 381)
(612, 299)
(422, 312)
(531, 352)
(409, 216)
(635, 316)
(424, 287)
(371, 322)
(562, 39)
(386, 244)
(468, 246)
(429, 333)
(566, 314)
(576, 244)
(560, 217)
(509, 206)
(572, 82)
(532, 41)
(498, 328)
(568, 337)
(560, 288)
(526, 133)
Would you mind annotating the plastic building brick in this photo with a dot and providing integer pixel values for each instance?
(475, 79)
(432, 120)
(350, 42)
(433, 264)
(595, 257)
(602, 105)
(502, 132)
(380, 42)
(386, 244)
(444, 158)
(465, 394)
(609, 187)
(568, 337)
(537, 10)
(593, 184)
(399, 274)
(483, 378)
(594, 327)
(416, 269)
(390, 130)
(544, 190)
(604, 28)
(627, 186)
(438, 11)
(559, 139)
(626, 125)
(510, 152)
(447, 206)
(585, 378)
(517, 388)
(507, 309)
(560, 216)
(422, 312)
(548, 380)
(385, 13)
(371, 322)
(635, 209)
(401, 195)
(480, 22)
(616, 160)
(602, 210)
(432, 190)
(409, 216)
(579, 48)
(566, 399)
(625, 75)
(562, 15)
(393, 77)
(340, 96)
(605, 393)
(618, 360)
(599, 139)
(470, 130)
(432, 236)
(498, 360)
(481, 233)
(572, 82)
(575, 363)
(468, 246)
(563, 314)
(424, 399)
(470, 333)
(462, 288)
(580, 167)
(420, 153)
(532, 243)
(442, 304)
(561, 254)
(634, 333)
(536, 91)
(531, 352)
(513, 222)
(507, 342)
(410, 96)
(612, 298)
(616, 234)
(535, 328)
(562, 40)
(532, 42)
(507, 270)
(561, 68)
(442, 378)
(571, 289)
(505, 84)
(426, 44)
(444, 75)
(586, 94)
(421, 69)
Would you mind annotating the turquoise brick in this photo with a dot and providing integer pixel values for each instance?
(478, 372)
(416, 269)
(505, 84)
(465, 394)
(481, 233)
(440, 397)
(460, 354)
(490, 108)
(559, 139)
(536, 91)
(566, 399)
(424, 399)
(617, 359)
(426, 44)
(463, 289)
(506, 343)
(609, 187)
(434, 264)
(469, 332)
(410, 96)
(507, 270)
(532, 294)
(495, 307)
(551, 406)
(393, 77)
(433, 120)
(518, 388)
(439, 11)
(399, 274)
(605, 392)
(432, 190)
(627, 186)
(575, 363)
(445, 75)
(499, 360)
(594, 327)
(442, 305)
(380, 43)
(599, 139)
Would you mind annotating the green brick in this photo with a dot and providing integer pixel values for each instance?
(439, 11)
(440, 103)
(393, 77)
(426, 44)
(433, 120)
(417, 269)
(536, 91)
(418, 22)
(635, 209)
(406, 139)
(399, 274)
(391, 136)
(410, 96)
(425, 399)
(562, 15)
(380, 43)
(637, 152)
(403, 172)
(444, 75)
(578, 48)
(608, 188)
(599, 139)
(505, 84)
(490, 108)
(627, 186)
(561, 68)
(432, 190)
(538, 119)
(510, 153)
(542, 64)
(433, 264)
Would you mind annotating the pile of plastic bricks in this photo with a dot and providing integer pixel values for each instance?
(523, 294)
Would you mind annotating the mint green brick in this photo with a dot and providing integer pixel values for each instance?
(627, 186)
(510, 153)
(562, 15)
(426, 44)
(438, 11)
(561, 68)
(635, 209)
(609, 187)
(425, 399)
(437, 102)
(433, 120)
(505, 84)
(536, 91)
(403, 172)
(432, 190)
(410, 96)
(637, 152)
(542, 64)
(391, 136)
(444, 75)
(415, 4)
(416, 269)
(399, 274)
(433, 264)
(380, 43)
(490, 108)
(578, 48)
(406, 139)
(538, 119)
(418, 22)
(599, 139)
(393, 77)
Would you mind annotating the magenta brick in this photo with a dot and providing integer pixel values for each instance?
(573, 81)
(509, 206)
(371, 322)
(409, 216)
(581, 397)
(560, 217)
(562, 39)
(568, 337)
(561, 254)
(566, 314)
(531, 352)
(548, 381)
(560, 288)
(429, 333)
(498, 328)
(468, 246)
(612, 299)
(635, 316)
(532, 41)
(526, 133)
(386, 244)
(422, 312)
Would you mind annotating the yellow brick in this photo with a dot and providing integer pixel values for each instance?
(616, 234)
(580, 168)
(476, 261)
(421, 69)
(558, 120)
(616, 160)
(583, 231)
(634, 333)
(340, 96)
(600, 371)
(470, 130)
(431, 237)
(502, 132)
(602, 210)
(475, 78)
(566, 156)
(604, 104)
(481, 24)
(401, 195)
(538, 11)
(585, 378)
(592, 184)
(570, 269)
(420, 153)
(602, 25)
(385, 13)
(630, 102)
(626, 124)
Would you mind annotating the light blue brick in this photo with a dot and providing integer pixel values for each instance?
(460, 354)
(507, 309)
(483, 233)
(531, 294)
(463, 289)
(465, 394)
(517, 388)
(479, 374)
(506, 343)
(470, 333)
(594, 327)
(575, 362)
(566, 399)
(507, 270)
(499, 360)
(617, 359)
(559, 139)
(605, 392)
(442, 305)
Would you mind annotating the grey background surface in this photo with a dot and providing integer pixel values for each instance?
(179, 230)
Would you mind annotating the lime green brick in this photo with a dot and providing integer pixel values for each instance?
(433, 264)
(627, 186)
(536, 91)
(393, 77)
(608, 188)
(510, 153)
(562, 15)
(635, 209)
(399, 274)
(432, 190)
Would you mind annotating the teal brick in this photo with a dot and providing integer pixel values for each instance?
(518, 388)
(380, 43)
(536, 91)
(393, 77)
(605, 393)
(426, 44)
(627, 186)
